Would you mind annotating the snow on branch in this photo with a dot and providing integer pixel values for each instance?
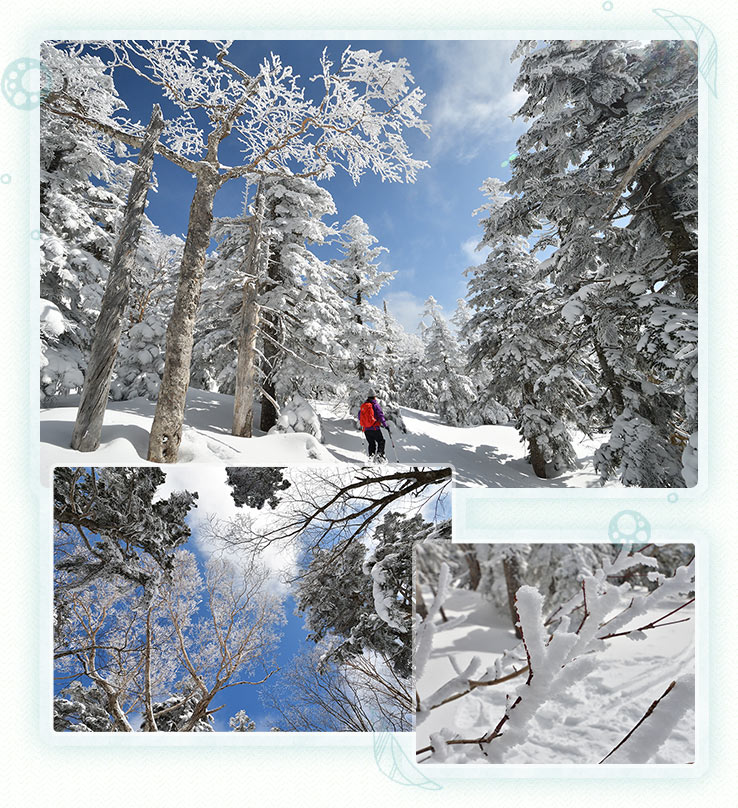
(654, 728)
(559, 658)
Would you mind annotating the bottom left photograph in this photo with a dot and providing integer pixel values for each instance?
(212, 599)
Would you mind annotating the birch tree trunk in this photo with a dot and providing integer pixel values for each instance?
(166, 429)
(109, 326)
(246, 370)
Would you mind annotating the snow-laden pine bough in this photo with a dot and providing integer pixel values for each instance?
(555, 654)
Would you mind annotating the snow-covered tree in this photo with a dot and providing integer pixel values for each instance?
(111, 521)
(368, 336)
(197, 636)
(561, 651)
(240, 722)
(362, 598)
(606, 176)
(486, 409)
(356, 124)
(83, 188)
(521, 340)
(358, 278)
(451, 391)
(140, 363)
(256, 487)
(301, 313)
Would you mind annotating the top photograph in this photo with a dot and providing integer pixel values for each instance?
(477, 253)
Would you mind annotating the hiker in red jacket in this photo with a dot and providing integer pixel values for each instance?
(371, 418)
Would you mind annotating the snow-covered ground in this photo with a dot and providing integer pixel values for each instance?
(591, 718)
(490, 456)
(206, 437)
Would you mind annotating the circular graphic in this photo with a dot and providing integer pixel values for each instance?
(25, 82)
(673, 497)
(607, 5)
(5, 179)
(35, 235)
(629, 527)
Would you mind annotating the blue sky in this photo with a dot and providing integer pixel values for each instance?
(214, 498)
(428, 226)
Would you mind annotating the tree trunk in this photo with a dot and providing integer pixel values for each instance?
(475, 571)
(243, 403)
(608, 374)
(360, 364)
(272, 329)
(420, 607)
(109, 327)
(537, 458)
(166, 430)
(390, 353)
(149, 722)
(511, 568)
(682, 249)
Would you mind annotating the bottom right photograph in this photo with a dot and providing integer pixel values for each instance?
(554, 653)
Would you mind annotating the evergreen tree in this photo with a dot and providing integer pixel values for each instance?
(366, 346)
(301, 313)
(140, 362)
(485, 408)
(606, 175)
(362, 599)
(119, 526)
(452, 392)
(256, 487)
(522, 341)
(83, 189)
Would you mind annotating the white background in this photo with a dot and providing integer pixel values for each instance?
(38, 773)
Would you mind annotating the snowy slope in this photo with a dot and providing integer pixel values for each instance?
(206, 438)
(595, 714)
(490, 456)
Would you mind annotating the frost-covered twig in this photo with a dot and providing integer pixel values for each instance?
(559, 659)
(645, 739)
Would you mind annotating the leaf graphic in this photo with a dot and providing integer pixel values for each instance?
(691, 30)
(394, 763)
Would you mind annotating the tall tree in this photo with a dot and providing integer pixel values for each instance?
(357, 124)
(82, 192)
(606, 175)
(109, 326)
(301, 313)
(451, 390)
(358, 278)
(521, 339)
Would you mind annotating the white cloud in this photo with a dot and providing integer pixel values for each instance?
(214, 499)
(474, 101)
(473, 256)
(406, 308)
